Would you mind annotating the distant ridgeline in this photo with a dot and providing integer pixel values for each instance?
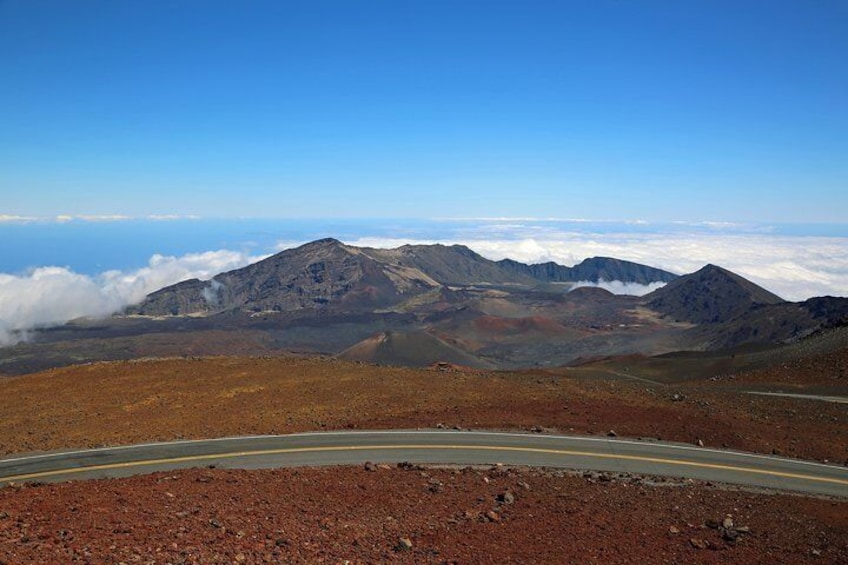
(329, 274)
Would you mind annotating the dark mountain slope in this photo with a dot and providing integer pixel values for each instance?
(451, 264)
(776, 323)
(709, 296)
(548, 272)
(609, 269)
(313, 276)
(594, 269)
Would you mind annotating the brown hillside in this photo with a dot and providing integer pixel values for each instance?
(131, 402)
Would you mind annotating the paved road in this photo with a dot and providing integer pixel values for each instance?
(435, 447)
(837, 399)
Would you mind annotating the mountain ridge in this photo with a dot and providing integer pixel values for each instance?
(593, 269)
(327, 273)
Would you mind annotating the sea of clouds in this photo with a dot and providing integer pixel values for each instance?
(49, 296)
(794, 267)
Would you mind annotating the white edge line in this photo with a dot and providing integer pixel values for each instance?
(662, 445)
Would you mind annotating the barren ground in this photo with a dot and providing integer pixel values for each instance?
(350, 515)
(338, 514)
(128, 402)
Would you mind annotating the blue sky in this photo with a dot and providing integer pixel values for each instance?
(658, 110)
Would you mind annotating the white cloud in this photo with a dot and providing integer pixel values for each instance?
(12, 218)
(94, 217)
(65, 218)
(50, 296)
(618, 287)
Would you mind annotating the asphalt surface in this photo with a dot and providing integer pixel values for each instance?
(436, 447)
(837, 399)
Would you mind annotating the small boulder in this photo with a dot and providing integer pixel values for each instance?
(404, 544)
(506, 498)
(698, 543)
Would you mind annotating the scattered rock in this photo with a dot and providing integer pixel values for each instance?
(674, 530)
(743, 529)
(506, 498)
(612, 433)
(404, 544)
(524, 484)
(369, 466)
(699, 442)
(727, 523)
(407, 466)
(435, 485)
(440, 426)
(215, 523)
(712, 524)
(493, 516)
(698, 543)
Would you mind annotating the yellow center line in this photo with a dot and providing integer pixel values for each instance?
(293, 450)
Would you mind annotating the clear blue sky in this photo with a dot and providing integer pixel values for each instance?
(659, 110)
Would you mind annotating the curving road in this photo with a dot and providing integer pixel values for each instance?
(435, 447)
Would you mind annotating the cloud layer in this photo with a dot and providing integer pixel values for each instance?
(49, 296)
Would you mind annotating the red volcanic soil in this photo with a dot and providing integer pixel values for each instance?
(350, 514)
(132, 402)
(412, 515)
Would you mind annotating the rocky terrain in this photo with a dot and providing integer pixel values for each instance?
(411, 514)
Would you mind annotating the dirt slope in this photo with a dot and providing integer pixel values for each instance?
(130, 402)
